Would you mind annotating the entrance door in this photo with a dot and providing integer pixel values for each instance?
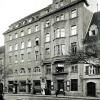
(1, 88)
(91, 89)
(60, 84)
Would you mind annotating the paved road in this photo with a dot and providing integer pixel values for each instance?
(47, 98)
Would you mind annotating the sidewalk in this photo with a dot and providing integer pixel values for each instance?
(16, 96)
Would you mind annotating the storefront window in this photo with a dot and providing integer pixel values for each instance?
(10, 86)
(22, 86)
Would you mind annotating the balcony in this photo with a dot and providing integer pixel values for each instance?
(60, 73)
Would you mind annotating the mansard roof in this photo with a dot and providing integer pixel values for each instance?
(37, 16)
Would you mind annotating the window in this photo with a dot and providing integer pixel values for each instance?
(16, 59)
(37, 55)
(37, 41)
(90, 70)
(22, 33)
(30, 20)
(16, 46)
(92, 33)
(10, 48)
(62, 32)
(73, 30)
(57, 5)
(10, 59)
(60, 68)
(47, 11)
(29, 55)
(29, 70)
(22, 86)
(47, 23)
(48, 69)
(73, 48)
(74, 68)
(22, 57)
(47, 36)
(37, 83)
(29, 43)
(57, 18)
(37, 69)
(61, 2)
(62, 17)
(29, 30)
(24, 22)
(57, 33)
(22, 45)
(16, 35)
(74, 84)
(57, 50)
(36, 28)
(10, 37)
(47, 51)
(63, 49)
(73, 13)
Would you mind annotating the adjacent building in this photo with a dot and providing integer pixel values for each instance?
(37, 46)
(2, 68)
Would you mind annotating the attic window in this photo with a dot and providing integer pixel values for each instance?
(24, 22)
(30, 20)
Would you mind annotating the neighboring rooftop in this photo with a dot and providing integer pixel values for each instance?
(95, 21)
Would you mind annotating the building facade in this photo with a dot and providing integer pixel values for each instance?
(91, 43)
(36, 48)
(2, 73)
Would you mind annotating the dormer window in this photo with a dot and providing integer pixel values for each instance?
(24, 22)
(17, 25)
(30, 20)
(47, 11)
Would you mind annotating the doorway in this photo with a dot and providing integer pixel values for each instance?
(60, 85)
(1, 88)
(91, 89)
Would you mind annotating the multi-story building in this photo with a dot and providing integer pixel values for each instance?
(91, 43)
(36, 48)
(2, 76)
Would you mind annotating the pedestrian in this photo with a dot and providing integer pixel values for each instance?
(56, 93)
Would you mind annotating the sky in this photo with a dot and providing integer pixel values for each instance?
(13, 10)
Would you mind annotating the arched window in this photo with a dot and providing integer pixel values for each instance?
(36, 70)
(22, 70)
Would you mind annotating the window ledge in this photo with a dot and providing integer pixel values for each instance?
(58, 38)
(73, 35)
